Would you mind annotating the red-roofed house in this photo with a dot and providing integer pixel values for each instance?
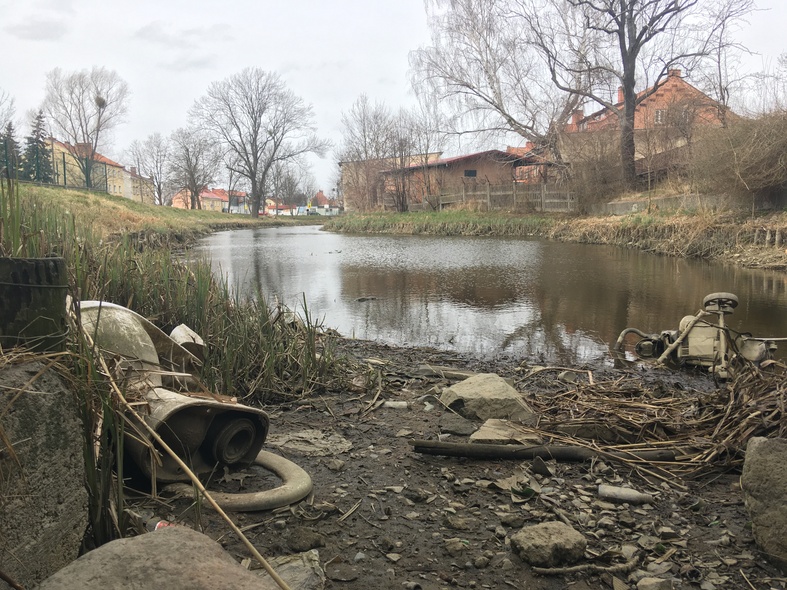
(675, 102)
(214, 199)
(457, 175)
(105, 174)
(664, 123)
(320, 200)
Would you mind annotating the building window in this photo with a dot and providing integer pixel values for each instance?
(660, 117)
(470, 173)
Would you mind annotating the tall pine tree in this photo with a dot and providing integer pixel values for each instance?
(37, 159)
(9, 152)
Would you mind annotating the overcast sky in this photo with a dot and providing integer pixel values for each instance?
(327, 51)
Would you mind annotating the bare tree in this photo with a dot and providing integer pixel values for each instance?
(425, 123)
(235, 182)
(83, 107)
(151, 157)
(261, 122)
(402, 152)
(719, 74)
(7, 108)
(481, 65)
(365, 136)
(194, 164)
(291, 184)
(746, 158)
(768, 93)
(631, 41)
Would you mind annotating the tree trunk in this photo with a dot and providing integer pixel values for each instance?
(255, 205)
(627, 145)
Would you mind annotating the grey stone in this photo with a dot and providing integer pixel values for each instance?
(654, 584)
(488, 396)
(453, 424)
(176, 558)
(481, 562)
(302, 539)
(512, 519)
(455, 546)
(549, 544)
(460, 523)
(764, 484)
(43, 512)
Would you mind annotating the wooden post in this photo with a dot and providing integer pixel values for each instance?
(463, 192)
(488, 196)
(757, 236)
(543, 197)
(778, 241)
(513, 193)
(768, 238)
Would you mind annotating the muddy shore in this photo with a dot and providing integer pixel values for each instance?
(383, 515)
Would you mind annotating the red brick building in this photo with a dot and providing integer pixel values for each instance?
(665, 124)
(673, 103)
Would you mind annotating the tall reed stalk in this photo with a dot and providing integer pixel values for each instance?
(253, 351)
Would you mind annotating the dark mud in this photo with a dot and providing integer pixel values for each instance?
(383, 516)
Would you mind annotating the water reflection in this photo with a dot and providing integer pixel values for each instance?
(488, 296)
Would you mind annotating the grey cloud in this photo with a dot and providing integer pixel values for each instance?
(184, 49)
(190, 63)
(61, 6)
(170, 35)
(158, 32)
(38, 29)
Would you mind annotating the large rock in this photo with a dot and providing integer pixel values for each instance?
(764, 483)
(43, 500)
(176, 558)
(486, 396)
(549, 544)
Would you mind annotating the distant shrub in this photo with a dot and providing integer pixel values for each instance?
(748, 158)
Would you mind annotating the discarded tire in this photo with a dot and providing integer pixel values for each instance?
(33, 303)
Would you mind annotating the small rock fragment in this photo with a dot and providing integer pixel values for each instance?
(454, 546)
(654, 584)
(549, 544)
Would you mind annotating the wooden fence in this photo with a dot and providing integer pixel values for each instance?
(513, 197)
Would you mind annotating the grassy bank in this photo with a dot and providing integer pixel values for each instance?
(112, 218)
(733, 237)
(107, 244)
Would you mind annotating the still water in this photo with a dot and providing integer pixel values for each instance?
(488, 296)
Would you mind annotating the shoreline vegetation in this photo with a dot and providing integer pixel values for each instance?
(730, 237)
(124, 252)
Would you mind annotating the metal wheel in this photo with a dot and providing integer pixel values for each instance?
(723, 302)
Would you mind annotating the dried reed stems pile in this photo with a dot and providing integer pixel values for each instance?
(703, 429)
